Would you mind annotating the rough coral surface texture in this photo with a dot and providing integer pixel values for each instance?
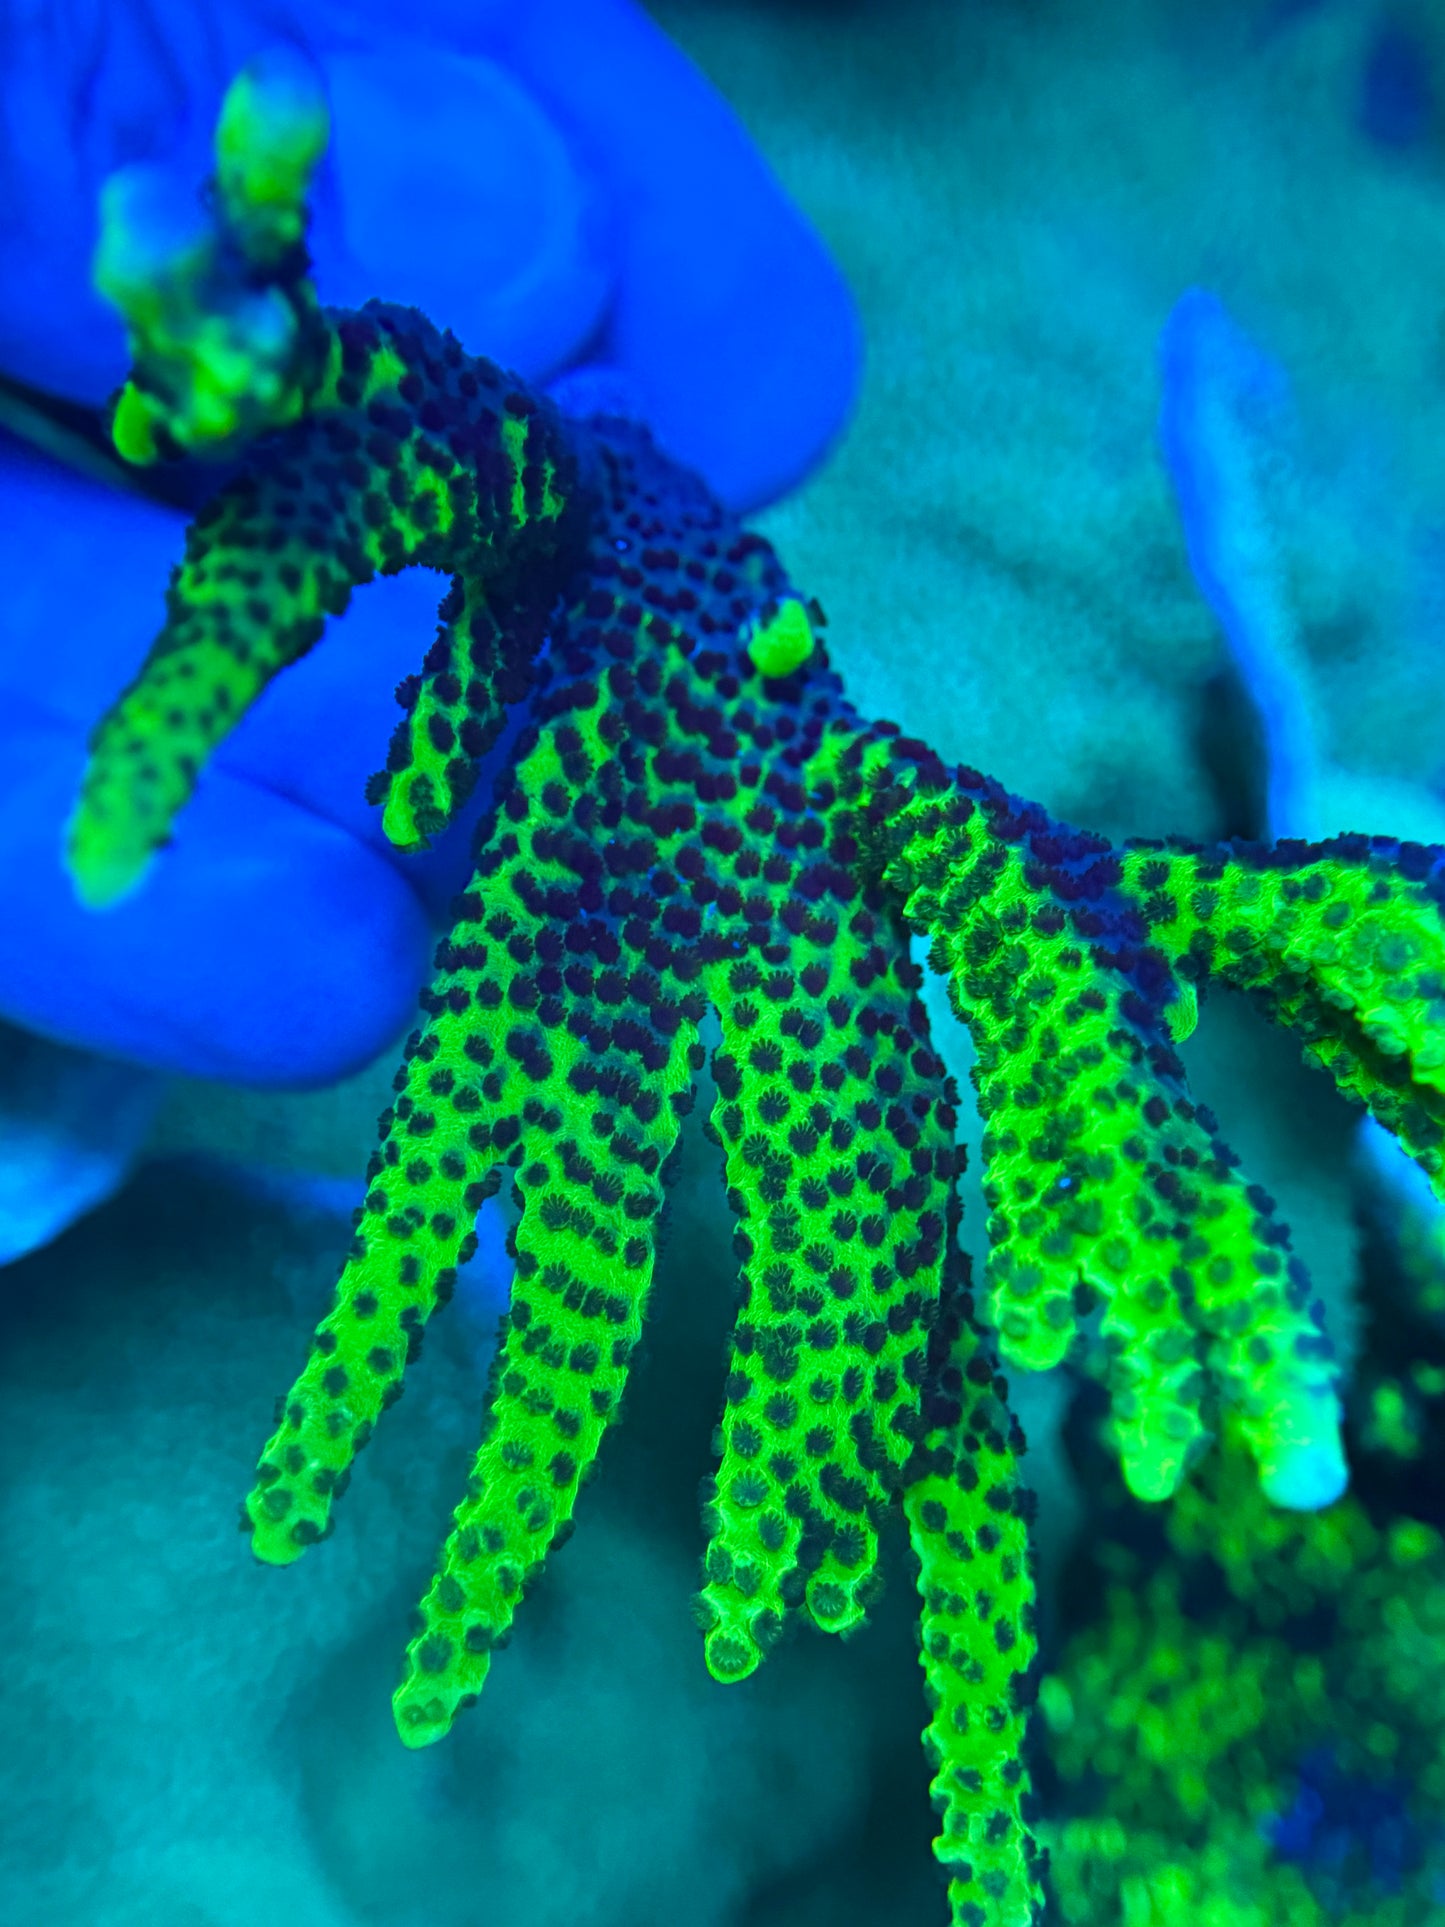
(1249, 1732)
(695, 827)
(1078, 967)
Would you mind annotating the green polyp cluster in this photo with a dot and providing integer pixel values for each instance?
(1107, 1185)
(1266, 1654)
(977, 1643)
(694, 826)
(1339, 941)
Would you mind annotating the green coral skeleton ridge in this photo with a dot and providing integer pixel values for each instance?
(692, 820)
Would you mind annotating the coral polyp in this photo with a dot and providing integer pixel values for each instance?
(693, 829)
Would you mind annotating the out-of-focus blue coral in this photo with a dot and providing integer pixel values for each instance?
(1227, 430)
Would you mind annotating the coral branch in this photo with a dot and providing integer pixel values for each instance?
(969, 1525)
(1103, 1177)
(1341, 941)
(412, 455)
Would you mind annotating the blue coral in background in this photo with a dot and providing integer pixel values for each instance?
(1224, 428)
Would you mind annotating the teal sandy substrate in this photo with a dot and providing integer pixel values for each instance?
(198, 1741)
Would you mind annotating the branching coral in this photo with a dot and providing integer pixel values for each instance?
(1249, 1731)
(693, 820)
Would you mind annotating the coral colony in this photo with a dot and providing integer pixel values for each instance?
(693, 822)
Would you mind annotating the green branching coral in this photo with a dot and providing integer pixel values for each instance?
(694, 827)
(1249, 1733)
(1077, 967)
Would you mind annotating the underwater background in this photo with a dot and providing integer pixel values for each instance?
(1024, 555)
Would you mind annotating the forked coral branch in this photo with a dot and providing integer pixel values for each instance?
(694, 820)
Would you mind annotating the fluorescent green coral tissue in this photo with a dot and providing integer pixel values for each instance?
(694, 828)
